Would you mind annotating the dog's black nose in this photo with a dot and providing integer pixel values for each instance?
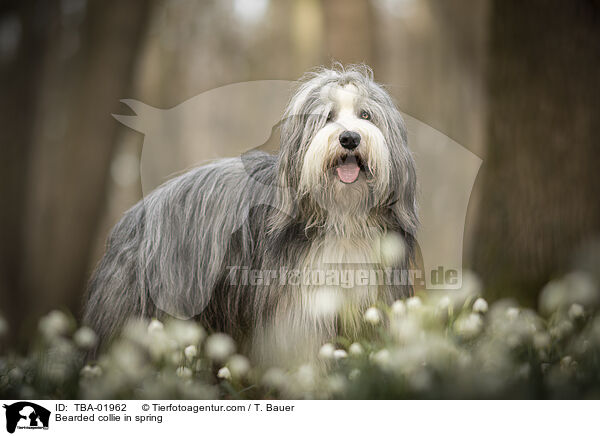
(349, 140)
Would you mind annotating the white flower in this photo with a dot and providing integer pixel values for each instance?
(414, 303)
(393, 249)
(160, 344)
(469, 325)
(354, 374)
(326, 351)
(15, 375)
(340, 354)
(136, 330)
(54, 324)
(239, 365)
(91, 371)
(373, 316)
(381, 358)
(184, 372)
(406, 329)
(444, 302)
(155, 326)
(576, 311)
(398, 308)
(274, 378)
(85, 338)
(553, 296)
(128, 358)
(190, 351)
(582, 288)
(224, 373)
(175, 358)
(355, 349)
(480, 306)
(562, 329)
(512, 313)
(153, 336)
(576, 287)
(541, 340)
(184, 332)
(219, 346)
(305, 377)
(567, 362)
(336, 383)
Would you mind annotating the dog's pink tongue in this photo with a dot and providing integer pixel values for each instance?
(348, 171)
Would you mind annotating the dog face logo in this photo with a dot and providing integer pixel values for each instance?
(26, 415)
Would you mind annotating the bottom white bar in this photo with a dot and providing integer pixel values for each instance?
(300, 417)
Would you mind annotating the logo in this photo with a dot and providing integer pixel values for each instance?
(26, 415)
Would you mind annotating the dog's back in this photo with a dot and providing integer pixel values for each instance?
(169, 251)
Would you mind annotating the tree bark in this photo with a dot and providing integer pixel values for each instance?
(65, 150)
(540, 178)
(19, 84)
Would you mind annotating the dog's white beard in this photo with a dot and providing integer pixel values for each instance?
(344, 208)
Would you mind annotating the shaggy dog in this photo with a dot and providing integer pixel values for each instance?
(256, 246)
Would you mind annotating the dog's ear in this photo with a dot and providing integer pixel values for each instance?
(403, 177)
(287, 174)
(404, 194)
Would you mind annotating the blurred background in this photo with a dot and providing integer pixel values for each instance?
(515, 82)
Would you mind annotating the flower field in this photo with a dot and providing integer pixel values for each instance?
(434, 345)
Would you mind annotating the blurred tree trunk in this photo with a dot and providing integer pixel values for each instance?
(349, 33)
(307, 28)
(19, 85)
(67, 136)
(540, 178)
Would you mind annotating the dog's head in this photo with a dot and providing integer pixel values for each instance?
(344, 154)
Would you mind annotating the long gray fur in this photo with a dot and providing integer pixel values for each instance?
(170, 253)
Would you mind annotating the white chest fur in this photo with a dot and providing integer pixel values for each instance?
(334, 284)
(339, 272)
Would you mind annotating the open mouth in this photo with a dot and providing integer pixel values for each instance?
(348, 168)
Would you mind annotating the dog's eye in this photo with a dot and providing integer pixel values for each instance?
(329, 116)
(365, 115)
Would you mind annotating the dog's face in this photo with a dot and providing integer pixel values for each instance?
(348, 154)
(344, 150)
